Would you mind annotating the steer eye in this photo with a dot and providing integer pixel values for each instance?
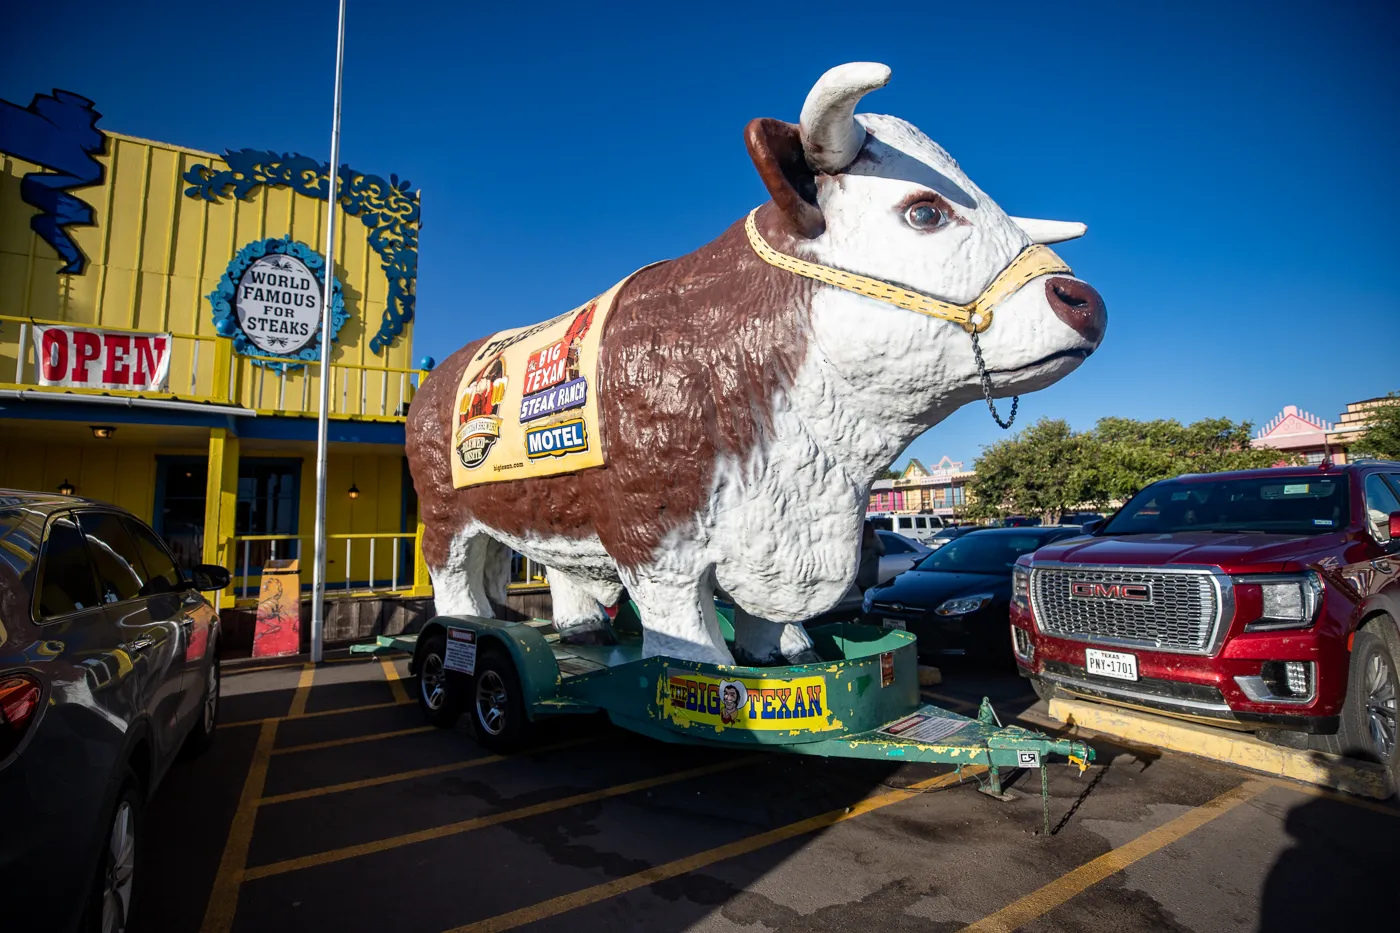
(925, 215)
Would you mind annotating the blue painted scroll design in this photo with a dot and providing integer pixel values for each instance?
(226, 312)
(388, 208)
(59, 132)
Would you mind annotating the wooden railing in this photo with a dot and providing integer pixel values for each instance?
(204, 369)
(386, 570)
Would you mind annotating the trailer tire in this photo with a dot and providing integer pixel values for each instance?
(497, 702)
(442, 695)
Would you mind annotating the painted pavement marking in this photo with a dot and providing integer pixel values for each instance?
(223, 897)
(1047, 897)
(481, 822)
(650, 876)
(323, 712)
(391, 674)
(298, 708)
(353, 740)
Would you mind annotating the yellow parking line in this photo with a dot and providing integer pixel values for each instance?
(353, 740)
(308, 674)
(223, 897)
(481, 822)
(601, 892)
(1045, 899)
(235, 671)
(391, 674)
(323, 712)
(416, 773)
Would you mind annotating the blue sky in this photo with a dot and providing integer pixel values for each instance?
(1235, 163)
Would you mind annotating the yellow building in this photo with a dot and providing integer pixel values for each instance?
(160, 344)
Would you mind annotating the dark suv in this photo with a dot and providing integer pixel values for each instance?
(108, 666)
(1260, 600)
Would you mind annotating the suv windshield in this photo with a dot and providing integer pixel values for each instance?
(981, 553)
(1288, 505)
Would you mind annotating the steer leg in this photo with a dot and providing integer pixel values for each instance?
(578, 617)
(459, 582)
(761, 643)
(678, 615)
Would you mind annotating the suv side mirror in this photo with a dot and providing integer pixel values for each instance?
(209, 577)
(1090, 528)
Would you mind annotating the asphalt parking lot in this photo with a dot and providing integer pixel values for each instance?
(327, 804)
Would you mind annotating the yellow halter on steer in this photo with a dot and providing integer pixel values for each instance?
(975, 317)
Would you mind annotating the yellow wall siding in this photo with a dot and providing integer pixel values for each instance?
(154, 254)
(124, 476)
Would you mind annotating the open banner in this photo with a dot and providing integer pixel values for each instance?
(102, 359)
(527, 403)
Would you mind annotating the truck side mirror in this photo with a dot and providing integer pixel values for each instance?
(1090, 528)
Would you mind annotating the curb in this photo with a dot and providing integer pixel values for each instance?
(1243, 750)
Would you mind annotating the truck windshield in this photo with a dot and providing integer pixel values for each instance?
(1290, 505)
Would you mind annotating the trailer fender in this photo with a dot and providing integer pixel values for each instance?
(533, 659)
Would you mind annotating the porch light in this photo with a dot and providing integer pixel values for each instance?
(354, 491)
(103, 431)
(66, 489)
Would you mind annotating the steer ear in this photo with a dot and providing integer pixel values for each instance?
(776, 150)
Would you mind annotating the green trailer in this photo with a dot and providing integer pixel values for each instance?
(861, 701)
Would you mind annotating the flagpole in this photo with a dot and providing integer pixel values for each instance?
(318, 578)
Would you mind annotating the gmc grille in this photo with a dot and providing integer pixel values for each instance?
(1181, 614)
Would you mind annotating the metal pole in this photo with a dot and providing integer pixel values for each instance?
(318, 578)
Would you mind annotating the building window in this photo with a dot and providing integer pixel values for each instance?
(267, 497)
(1315, 458)
(959, 496)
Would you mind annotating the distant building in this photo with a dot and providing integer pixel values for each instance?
(1299, 432)
(936, 491)
(1295, 431)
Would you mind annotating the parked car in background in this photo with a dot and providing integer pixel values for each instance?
(1264, 600)
(1080, 519)
(949, 534)
(901, 553)
(108, 667)
(917, 527)
(955, 600)
(1018, 521)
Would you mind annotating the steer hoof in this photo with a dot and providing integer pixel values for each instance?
(590, 635)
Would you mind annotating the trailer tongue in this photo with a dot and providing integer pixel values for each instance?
(861, 701)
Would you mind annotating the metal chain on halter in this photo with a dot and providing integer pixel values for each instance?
(987, 389)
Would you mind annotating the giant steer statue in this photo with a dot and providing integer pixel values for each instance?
(750, 392)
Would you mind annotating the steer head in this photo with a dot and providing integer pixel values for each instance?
(872, 195)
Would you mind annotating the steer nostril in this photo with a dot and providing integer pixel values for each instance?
(1078, 305)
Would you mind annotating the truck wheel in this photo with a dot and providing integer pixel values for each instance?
(498, 705)
(441, 695)
(1369, 718)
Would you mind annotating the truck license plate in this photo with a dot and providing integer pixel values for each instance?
(894, 624)
(1116, 664)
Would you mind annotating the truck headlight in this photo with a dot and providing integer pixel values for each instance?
(1021, 587)
(1287, 600)
(962, 605)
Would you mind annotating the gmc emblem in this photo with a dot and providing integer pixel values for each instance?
(1121, 592)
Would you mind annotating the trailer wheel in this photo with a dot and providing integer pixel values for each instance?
(441, 697)
(498, 706)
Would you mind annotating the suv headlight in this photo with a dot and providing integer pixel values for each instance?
(1021, 587)
(1287, 600)
(962, 605)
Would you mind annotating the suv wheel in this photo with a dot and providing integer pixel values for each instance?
(1369, 718)
(202, 735)
(119, 877)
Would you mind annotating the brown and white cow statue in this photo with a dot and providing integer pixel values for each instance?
(750, 392)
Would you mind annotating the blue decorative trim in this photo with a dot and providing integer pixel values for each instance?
(388, 208)
(58, 132)
(226, 313)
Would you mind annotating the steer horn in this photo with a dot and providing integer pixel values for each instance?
(1049, 231)
(831, 137)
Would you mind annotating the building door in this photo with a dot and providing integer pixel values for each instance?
(179, 509)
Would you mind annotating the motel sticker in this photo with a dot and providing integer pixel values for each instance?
(461, 651)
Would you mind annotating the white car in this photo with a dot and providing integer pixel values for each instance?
(915, 527)
(901, 553)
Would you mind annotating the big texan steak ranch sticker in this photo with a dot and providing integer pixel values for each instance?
(527, 404)
(797, 704)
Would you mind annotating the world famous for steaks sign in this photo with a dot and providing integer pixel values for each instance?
(526, 405)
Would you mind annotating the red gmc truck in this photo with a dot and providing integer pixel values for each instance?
(1264, 600)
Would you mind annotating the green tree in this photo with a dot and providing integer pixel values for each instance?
(890, 473)
(1041, 471)
(1382, 438)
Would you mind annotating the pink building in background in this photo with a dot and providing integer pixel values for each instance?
(1295, 431)
(936, 491)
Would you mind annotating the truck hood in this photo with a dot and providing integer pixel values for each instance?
(1230, 551)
